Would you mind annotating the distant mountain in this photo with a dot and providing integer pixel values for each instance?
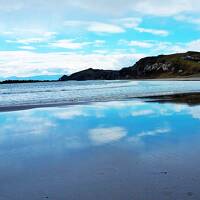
(34, 78)
(162, 66)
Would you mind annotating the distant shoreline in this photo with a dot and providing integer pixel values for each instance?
(26, 81)
(154, 79)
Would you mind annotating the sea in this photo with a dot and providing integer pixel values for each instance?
(74, 92)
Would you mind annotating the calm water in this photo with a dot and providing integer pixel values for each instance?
(117, 150)
(88, 91)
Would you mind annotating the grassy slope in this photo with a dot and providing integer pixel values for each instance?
(190, 68)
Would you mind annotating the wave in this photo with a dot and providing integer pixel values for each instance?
(89, 91)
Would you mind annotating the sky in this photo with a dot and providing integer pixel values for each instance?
(52, 37)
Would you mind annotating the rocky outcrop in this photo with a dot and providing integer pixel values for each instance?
(92, 74)
(162, 66)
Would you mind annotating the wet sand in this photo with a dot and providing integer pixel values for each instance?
(190, 98)
(184, 98)
(112, 150)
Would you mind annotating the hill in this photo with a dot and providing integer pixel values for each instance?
(181, 65)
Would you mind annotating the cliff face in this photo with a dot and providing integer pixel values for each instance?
(163, 66)
(167, 66)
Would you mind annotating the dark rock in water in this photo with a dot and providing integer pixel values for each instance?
(162, 66)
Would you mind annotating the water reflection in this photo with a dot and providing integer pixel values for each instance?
(106, 135)
(56, 146)
(100, 123)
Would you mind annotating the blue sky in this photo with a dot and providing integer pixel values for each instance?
(61, 36)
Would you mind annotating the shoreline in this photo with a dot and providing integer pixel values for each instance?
(191, 98)
(6, 82)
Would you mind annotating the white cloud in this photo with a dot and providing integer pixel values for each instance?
(188, 19)
(106, 135)
(193, 45)
(195, 112)
(27, 40)
(13, 5)
(28, 36)
(70, 113)
(65, 9)
(95, 26)
(157, 47)
(114, 26)
(154, 132)
(42, 125)
(138, 137)
(145, 7)
(26, 63)
(153, 31)
(142, 113)
(129, 22)
(27, 47)
(68, 44)
(98, 27)
(141, 44)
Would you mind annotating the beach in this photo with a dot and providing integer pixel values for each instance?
(139, 148)
(99, 100)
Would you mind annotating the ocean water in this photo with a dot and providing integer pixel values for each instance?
(88, 91)
(120, 150)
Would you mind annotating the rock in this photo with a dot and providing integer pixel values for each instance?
(92, 74)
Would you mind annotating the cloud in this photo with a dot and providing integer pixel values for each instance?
(42, 125)
(13, 5)
(193, 45)
(158, 47)
(25, 63)
(27, 40)
(130, 22)
(138, 137)
(98, 27)
(145, 7)
(106, 135)
(114, 26)
(71, 113)
(27, 35)
(195, 112)
(152, 31)
(154, 132)
(27, 47)
(188, 19)
(68, 44)
(95, 26)
(141, 44)
(142, 113)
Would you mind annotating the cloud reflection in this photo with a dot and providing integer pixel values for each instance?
(143, 134)
(142, 113)
(106, 135)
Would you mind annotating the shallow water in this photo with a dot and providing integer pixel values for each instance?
(88, 91)
(115, 150)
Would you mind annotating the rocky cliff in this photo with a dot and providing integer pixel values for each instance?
(162, 66)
